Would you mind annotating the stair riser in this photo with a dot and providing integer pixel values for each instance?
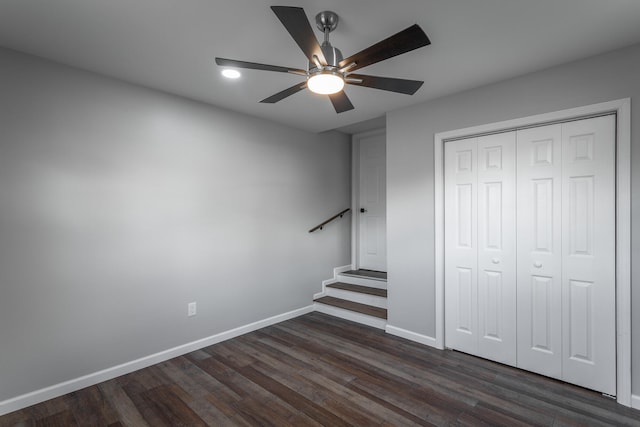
(378, 284)
(350, 315)
(357, 297)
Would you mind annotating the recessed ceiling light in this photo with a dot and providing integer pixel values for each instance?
(231, 73)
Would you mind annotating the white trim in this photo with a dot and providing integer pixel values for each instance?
(623, 251)
(635, 401)
(438, 170)
(355, 199)
(412, 336)
(334, 279)
(32, 398)
(342, 269)
(622, 107)
(321, 294)
(355, 190)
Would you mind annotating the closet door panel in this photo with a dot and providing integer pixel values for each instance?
(588, 279)
(539, 259)
(461, 252)
(496, 248)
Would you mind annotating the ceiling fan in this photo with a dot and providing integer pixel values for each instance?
(328, 71)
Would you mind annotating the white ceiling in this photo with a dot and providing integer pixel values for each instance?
(170, 45)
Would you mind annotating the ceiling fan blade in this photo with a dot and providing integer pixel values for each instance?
(295, 21)
(223, 62)
(341, 102)
(285, 93)
(408, 87)
(405, 41)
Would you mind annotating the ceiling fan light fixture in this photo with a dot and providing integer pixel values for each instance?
(325, 83)
(231, 73)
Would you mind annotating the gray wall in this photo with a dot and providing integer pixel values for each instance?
(119, 205)
(410, 177)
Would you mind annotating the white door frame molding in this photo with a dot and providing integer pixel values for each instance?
(622, 109)
(355, 191)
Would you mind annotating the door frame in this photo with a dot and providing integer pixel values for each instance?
(355, 191)
(622, 109)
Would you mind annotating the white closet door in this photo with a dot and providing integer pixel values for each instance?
(588, 261)
(539, 250)
(461, 252)
(497, 248)
(480, 244)
(530, 250)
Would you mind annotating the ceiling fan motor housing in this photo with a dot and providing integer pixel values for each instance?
(333, 55)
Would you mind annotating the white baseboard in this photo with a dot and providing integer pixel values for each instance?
(34, 397)
(635, 401)
(324, 288)
(334, 279)
(413, 336)
(320, 294)
(342, 269)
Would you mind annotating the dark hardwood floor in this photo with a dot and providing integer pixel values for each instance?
(371, 274)
(354, 306)
(358, 288)
(320, 370)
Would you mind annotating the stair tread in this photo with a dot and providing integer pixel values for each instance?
(354, 306)
(359, 288)
(367, 274)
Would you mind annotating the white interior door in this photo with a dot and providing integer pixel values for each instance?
(539, 250)
(461, 249)
(372, 221)
(497, 247)
(480, 274)
(588, 253)
(566, 252)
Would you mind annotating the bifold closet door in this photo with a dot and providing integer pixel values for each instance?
(566, 252)
(461, 249)
(539, 249)
(480, 242)
(588, 253)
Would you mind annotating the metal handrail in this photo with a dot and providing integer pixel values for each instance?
(338, 215)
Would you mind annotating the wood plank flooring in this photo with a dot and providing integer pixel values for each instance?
(358, 288)
(369, 274)
(354, 306)
(320, 370)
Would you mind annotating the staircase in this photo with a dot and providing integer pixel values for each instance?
(356, 295)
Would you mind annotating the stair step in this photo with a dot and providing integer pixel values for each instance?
(359, 288)
(354, 306)
(368, 274)
(362, 281)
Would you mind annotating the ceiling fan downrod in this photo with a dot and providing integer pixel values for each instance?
(326, 22)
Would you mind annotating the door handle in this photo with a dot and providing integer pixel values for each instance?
(362, 210)
(537, 264)
(495, 260)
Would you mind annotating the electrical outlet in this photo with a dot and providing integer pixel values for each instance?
(191, 309)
